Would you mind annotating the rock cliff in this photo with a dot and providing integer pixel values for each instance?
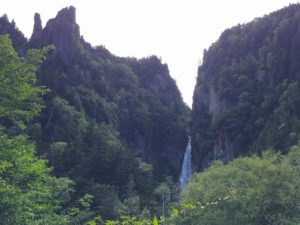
(62, 32)
(244, 97)
(137, 97)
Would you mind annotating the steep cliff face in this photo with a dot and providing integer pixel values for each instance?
(166, 114)
(62, 32)
(115, 126)
(138, 98)
(37, 28)
(209, 143)
(244, 87)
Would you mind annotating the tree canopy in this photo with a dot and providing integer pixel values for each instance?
(251, 190)
(28, 193)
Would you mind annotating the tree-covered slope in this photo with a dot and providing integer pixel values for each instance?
(116, 126)
(247, 94)
(18, 40)
(137, 98)
(28, 193)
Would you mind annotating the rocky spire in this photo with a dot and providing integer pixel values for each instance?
(67, 14)
(61, 31)
(37, 28)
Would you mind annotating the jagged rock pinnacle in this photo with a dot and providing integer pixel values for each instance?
(61, 31)
(37, 28)
(67, 14)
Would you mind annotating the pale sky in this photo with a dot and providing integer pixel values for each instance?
(177, 31)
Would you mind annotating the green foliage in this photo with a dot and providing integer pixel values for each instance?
(83, 212)
(86, 200)
(116, 126)
(246, 97)
(18, 39)
(155, 221)
(110, 123)
(18, 93)
(250, 190)
(124, 220)
(57, 150)
(28, 194)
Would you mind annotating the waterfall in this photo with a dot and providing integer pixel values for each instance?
(186, 169)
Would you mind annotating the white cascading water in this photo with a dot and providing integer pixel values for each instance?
(186, 169)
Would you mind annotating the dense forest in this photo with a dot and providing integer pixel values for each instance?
(246, 98)
(115, 127)
(91, 138)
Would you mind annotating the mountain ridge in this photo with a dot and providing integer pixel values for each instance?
(114, 125)
(241, 86)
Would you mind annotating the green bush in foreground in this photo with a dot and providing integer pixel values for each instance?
(247, 191)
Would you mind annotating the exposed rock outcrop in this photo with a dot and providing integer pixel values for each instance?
(37, 28)
(62, 32)
(137, 97)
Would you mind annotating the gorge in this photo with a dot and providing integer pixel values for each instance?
(111, 136)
